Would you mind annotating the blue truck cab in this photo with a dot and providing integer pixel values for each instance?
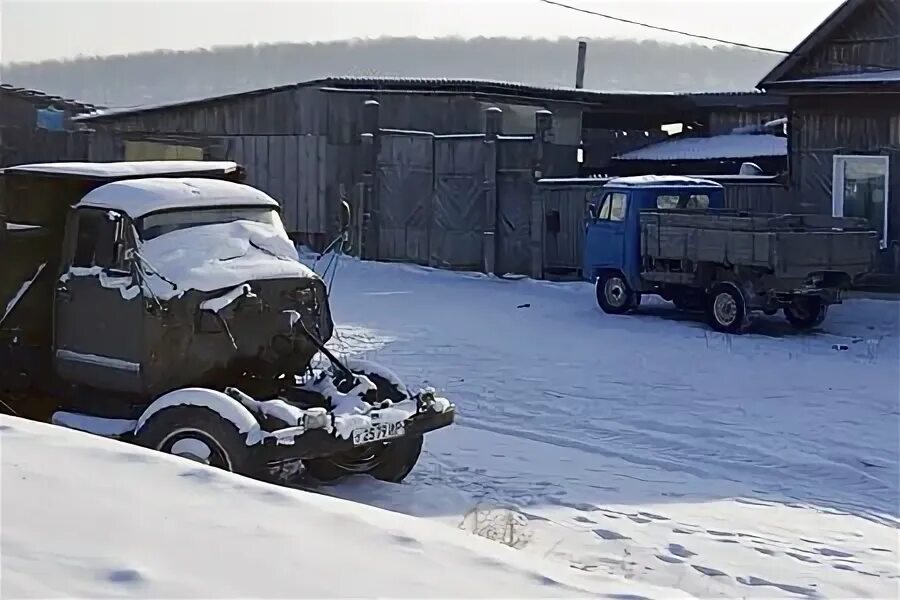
(612, 239)
(612, 242)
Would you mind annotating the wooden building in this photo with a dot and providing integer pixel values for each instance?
(35, 126)
(843, 86)
(302, 142)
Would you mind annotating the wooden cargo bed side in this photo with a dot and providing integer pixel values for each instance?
(665, 241)
(788, 246)
(800, 253)
(730, 220)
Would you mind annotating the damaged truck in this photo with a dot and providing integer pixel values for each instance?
(162, 303)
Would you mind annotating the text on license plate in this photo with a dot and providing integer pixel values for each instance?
(376, 433)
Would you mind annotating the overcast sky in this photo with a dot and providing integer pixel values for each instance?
(32, 30)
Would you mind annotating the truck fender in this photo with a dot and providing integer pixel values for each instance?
(225, 406)
(367, 367)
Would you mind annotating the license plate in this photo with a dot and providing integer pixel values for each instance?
(377, 433)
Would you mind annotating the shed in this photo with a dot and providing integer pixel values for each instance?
(843, 84)
(36, 126)
(301, 141)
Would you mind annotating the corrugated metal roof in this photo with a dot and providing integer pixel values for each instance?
(484, 87)
(714, 147)
(29, 94)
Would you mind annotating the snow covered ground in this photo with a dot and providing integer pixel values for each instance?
(86, 517)
(645, 446)
(626, 457)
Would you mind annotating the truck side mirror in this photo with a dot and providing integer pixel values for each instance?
(592, 211)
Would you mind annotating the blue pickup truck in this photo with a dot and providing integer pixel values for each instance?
(671, 236)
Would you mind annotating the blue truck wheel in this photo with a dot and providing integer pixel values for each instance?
(726, 309)
(614, 295)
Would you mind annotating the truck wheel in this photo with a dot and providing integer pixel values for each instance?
(614, 295)
(390, 462)
(198, 434)
(726, 310)
(806, 312)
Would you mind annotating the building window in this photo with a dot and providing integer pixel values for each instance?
(860, 189)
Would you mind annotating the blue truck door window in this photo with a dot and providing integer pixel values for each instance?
(605, 235)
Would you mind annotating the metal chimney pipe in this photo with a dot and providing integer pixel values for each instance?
(579, 68)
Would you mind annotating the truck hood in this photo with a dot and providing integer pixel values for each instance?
(220, 256)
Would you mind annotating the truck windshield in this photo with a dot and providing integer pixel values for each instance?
(156, 225)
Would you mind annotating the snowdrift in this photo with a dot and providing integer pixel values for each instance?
(86, 517)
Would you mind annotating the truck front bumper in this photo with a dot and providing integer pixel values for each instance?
(303, 443)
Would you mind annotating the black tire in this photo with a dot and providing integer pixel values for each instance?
(806, 312)
(390, 462)
(726, 310)
(182, 430)
(614, 295)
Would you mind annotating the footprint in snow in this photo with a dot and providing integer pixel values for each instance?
(654, 516)
(720, 533)
(680, 551)
(124, 576)
(793, 589)
(581, 519)
(802, 558)
(709, 572)
(832, 552)
(609, 535)
(669, 559)
(640, 520)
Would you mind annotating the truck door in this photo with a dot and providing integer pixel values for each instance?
(604, 243)
(98, 307)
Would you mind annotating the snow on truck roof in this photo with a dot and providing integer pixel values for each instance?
(117, 170)
(139, 197)
(662, 181)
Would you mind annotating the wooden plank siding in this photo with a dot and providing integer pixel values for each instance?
(866, 41)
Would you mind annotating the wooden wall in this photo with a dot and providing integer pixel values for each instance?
(867, 41)
(822, 127)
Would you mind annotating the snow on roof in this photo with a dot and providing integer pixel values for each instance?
(713, 147)
(889, 76)
(661, 180)
(113, 170)
(139, 197)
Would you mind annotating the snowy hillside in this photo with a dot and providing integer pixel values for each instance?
(91, 518)
(646, 446)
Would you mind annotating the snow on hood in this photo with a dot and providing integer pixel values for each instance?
(214, 257)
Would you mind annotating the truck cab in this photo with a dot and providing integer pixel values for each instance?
(612, 231)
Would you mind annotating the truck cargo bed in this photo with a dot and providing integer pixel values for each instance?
(788, 246)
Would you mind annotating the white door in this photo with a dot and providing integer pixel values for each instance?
(860, 189)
